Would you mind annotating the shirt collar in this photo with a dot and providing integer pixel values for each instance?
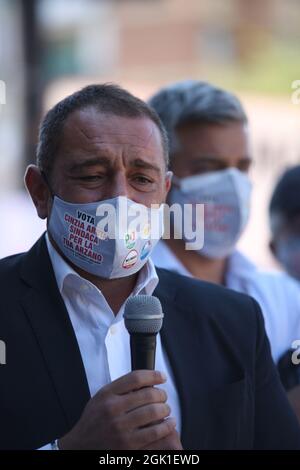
(238, 264)
(146, 282)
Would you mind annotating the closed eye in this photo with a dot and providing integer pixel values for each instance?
(142, 179)
(91, 178)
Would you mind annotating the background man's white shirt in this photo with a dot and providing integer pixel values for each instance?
(277, 294)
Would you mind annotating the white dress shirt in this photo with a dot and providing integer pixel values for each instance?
(102, 337)
(277, 294)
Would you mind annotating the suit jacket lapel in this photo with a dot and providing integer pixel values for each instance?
(52, 327)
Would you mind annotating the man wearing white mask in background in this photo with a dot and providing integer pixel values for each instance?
(284, 216)
(210, 158)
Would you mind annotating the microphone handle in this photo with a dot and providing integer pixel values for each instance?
(142, 348)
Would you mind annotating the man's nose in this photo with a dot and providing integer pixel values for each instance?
(120, 186)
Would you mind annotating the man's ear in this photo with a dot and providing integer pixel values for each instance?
(168, 181)
(38, 190)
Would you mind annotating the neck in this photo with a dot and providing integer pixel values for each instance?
(206, 269)
(115, 291)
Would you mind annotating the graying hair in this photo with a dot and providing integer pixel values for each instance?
(195, 101)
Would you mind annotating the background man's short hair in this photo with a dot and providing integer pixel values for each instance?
(106, 98)
(285, 201)
(195, 101)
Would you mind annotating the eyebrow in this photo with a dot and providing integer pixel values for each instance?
(105, 161)
(139, 163)
(87, 163)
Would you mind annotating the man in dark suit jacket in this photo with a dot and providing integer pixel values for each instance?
(229, 393)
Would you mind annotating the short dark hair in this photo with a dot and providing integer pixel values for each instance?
(107, 98)
(285, 198)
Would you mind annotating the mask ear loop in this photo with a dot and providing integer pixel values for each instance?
(52, 196)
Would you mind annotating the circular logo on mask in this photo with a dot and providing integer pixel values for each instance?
(130, 260)
(146, 250)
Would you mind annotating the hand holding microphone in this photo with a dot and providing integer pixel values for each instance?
(130, 412)
(143, 319)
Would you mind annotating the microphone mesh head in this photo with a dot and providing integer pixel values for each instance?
(143, 314)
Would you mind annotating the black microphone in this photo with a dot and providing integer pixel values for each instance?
(143, 319)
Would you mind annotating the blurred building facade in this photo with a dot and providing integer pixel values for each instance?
(250, 47)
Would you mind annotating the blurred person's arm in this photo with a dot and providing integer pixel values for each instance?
(276, 426)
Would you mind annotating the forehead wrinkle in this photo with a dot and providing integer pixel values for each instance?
(89, 143)
(86, 127)
(105, 153)
(99, 140)
(120, 143)
(120, 134)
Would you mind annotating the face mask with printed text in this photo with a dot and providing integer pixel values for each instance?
(226, 198)
(110, 239)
